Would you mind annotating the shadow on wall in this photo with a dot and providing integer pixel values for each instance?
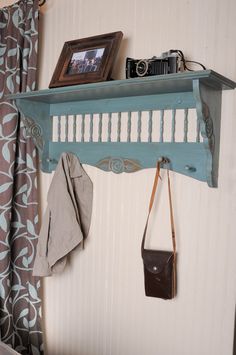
(234, 349)
(118, 71)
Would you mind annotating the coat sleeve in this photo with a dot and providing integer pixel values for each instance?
(42, 265)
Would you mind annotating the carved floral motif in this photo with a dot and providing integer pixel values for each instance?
(209, 127)
(118, 165)
(35, 131)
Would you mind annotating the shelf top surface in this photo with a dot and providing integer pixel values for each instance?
(159, 84)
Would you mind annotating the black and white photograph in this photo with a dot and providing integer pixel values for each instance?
(86, 61)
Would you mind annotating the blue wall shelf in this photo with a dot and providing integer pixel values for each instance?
(81, 119)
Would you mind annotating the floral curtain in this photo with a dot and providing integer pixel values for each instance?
(20, 304)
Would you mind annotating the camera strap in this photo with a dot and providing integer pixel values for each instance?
(181, 55)
(156, 179)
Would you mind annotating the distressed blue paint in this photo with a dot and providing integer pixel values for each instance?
(125, 104)
(200, 90)
(162, 84)
(147, 154)
(41, 115)
(201, 118)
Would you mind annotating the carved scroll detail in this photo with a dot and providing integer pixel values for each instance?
(118, 165)
(35, 131)
(209, 127)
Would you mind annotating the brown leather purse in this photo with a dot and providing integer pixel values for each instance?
(160, 265)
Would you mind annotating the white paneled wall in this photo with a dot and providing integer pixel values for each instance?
(97, 306)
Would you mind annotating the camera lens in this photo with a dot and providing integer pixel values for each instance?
(142, 67)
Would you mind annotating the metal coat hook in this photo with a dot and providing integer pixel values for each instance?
(164, 160)
(52, 161)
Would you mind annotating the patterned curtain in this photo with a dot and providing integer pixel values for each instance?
(20, 304)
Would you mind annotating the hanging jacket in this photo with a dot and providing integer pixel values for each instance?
(67, 218)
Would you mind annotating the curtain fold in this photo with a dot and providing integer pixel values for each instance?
(20, 304)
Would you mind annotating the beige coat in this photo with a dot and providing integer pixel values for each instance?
(67, 218)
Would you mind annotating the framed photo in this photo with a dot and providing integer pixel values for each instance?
(86, 60)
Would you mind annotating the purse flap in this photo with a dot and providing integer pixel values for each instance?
(157, 261)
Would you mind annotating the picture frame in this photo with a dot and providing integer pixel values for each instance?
(86, 60)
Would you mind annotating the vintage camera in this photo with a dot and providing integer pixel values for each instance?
(168, 62)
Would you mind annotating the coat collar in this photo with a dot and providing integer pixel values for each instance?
(73, 163)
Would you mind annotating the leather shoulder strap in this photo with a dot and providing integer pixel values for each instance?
(154, 188)
(171, 214)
